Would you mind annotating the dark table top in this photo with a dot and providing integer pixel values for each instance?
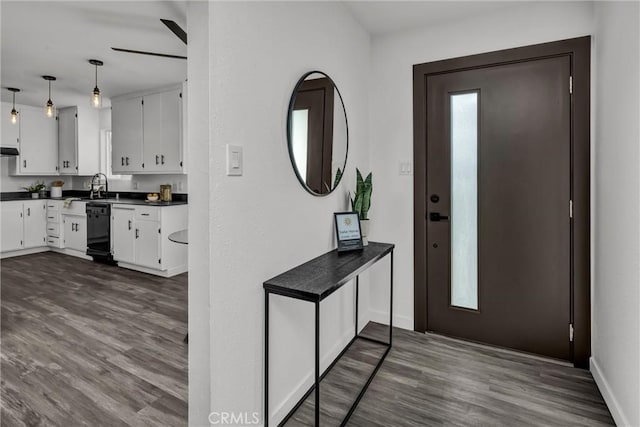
(317, 279)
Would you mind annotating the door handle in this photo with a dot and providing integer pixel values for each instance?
(436, 217)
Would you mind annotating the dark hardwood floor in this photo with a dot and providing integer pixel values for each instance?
(429, 380)
(89, 344)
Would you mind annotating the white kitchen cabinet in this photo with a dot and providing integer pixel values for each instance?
(55, 237)
(126, 135)
(38, 144)
(10, 131)
(67, 138)
(78, 140)
(147, 247)
(151, 125)
(75, 232)
(162, 123)
(123, 233)
(12, 226)
(23, 225)
(35, 221)
(147, 244)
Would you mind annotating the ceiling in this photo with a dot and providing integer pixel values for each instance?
(58, 38)
(384, 17)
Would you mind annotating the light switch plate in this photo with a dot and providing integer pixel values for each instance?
(406, 168)
(234, 160)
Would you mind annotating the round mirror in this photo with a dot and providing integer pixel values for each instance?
(318, 133)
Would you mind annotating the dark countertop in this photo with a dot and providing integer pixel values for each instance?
(139, 202)
(126, 198)
(320, 277)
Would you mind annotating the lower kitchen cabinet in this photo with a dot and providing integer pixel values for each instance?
(35, 219)
(75, 232)
(12, 226)
(148, 251)
(140, 238)
(123, 233)
(23, 225)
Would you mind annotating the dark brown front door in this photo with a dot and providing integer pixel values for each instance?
(498, 204)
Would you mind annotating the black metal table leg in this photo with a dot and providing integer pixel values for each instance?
(317, 364)
(266, 359)
(391, 303)
(357, 298)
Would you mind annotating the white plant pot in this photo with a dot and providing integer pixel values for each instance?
(35, 195)
(364, 228)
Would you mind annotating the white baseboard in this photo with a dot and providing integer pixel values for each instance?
(607, 394)
(162, 273)
(403, 322)
(301, 388)
(21, 252)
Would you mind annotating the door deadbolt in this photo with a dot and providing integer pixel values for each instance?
(434, 198)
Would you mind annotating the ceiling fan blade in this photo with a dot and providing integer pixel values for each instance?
(163, 55)
(177, 30)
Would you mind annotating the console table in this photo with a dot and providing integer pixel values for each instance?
(314, 281)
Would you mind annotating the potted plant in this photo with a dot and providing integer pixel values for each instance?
(362, 202)
(35, 189)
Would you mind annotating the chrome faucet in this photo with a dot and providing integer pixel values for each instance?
(95, 192)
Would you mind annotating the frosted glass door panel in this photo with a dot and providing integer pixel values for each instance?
(464, 200)
(300, 134)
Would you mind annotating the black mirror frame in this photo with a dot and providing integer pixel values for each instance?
(292, 101)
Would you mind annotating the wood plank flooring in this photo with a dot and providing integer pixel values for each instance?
(429, 380)
(89, 344)
(94, 345)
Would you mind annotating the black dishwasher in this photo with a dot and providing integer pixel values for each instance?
(99, 231)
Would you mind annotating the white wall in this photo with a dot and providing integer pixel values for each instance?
(616, 289)
(264, 222)
(391, 129)
(200, 209)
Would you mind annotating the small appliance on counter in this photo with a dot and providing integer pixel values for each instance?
(56, 189)
(165, 193)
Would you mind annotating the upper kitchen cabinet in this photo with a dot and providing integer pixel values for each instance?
(38, 144)
(147, 132)
(162, 124)
(10, 131)
(126, 135)
(78, 141)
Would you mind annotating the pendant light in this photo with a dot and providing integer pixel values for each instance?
(49, 109)
(96, 96)
(14, 113)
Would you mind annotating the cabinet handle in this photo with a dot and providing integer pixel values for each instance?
(157, 159)
(137, 233)
(24, 163)
(129, 224)
(28, 211)
(127, 161)
(122, 161)
(162, 159)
